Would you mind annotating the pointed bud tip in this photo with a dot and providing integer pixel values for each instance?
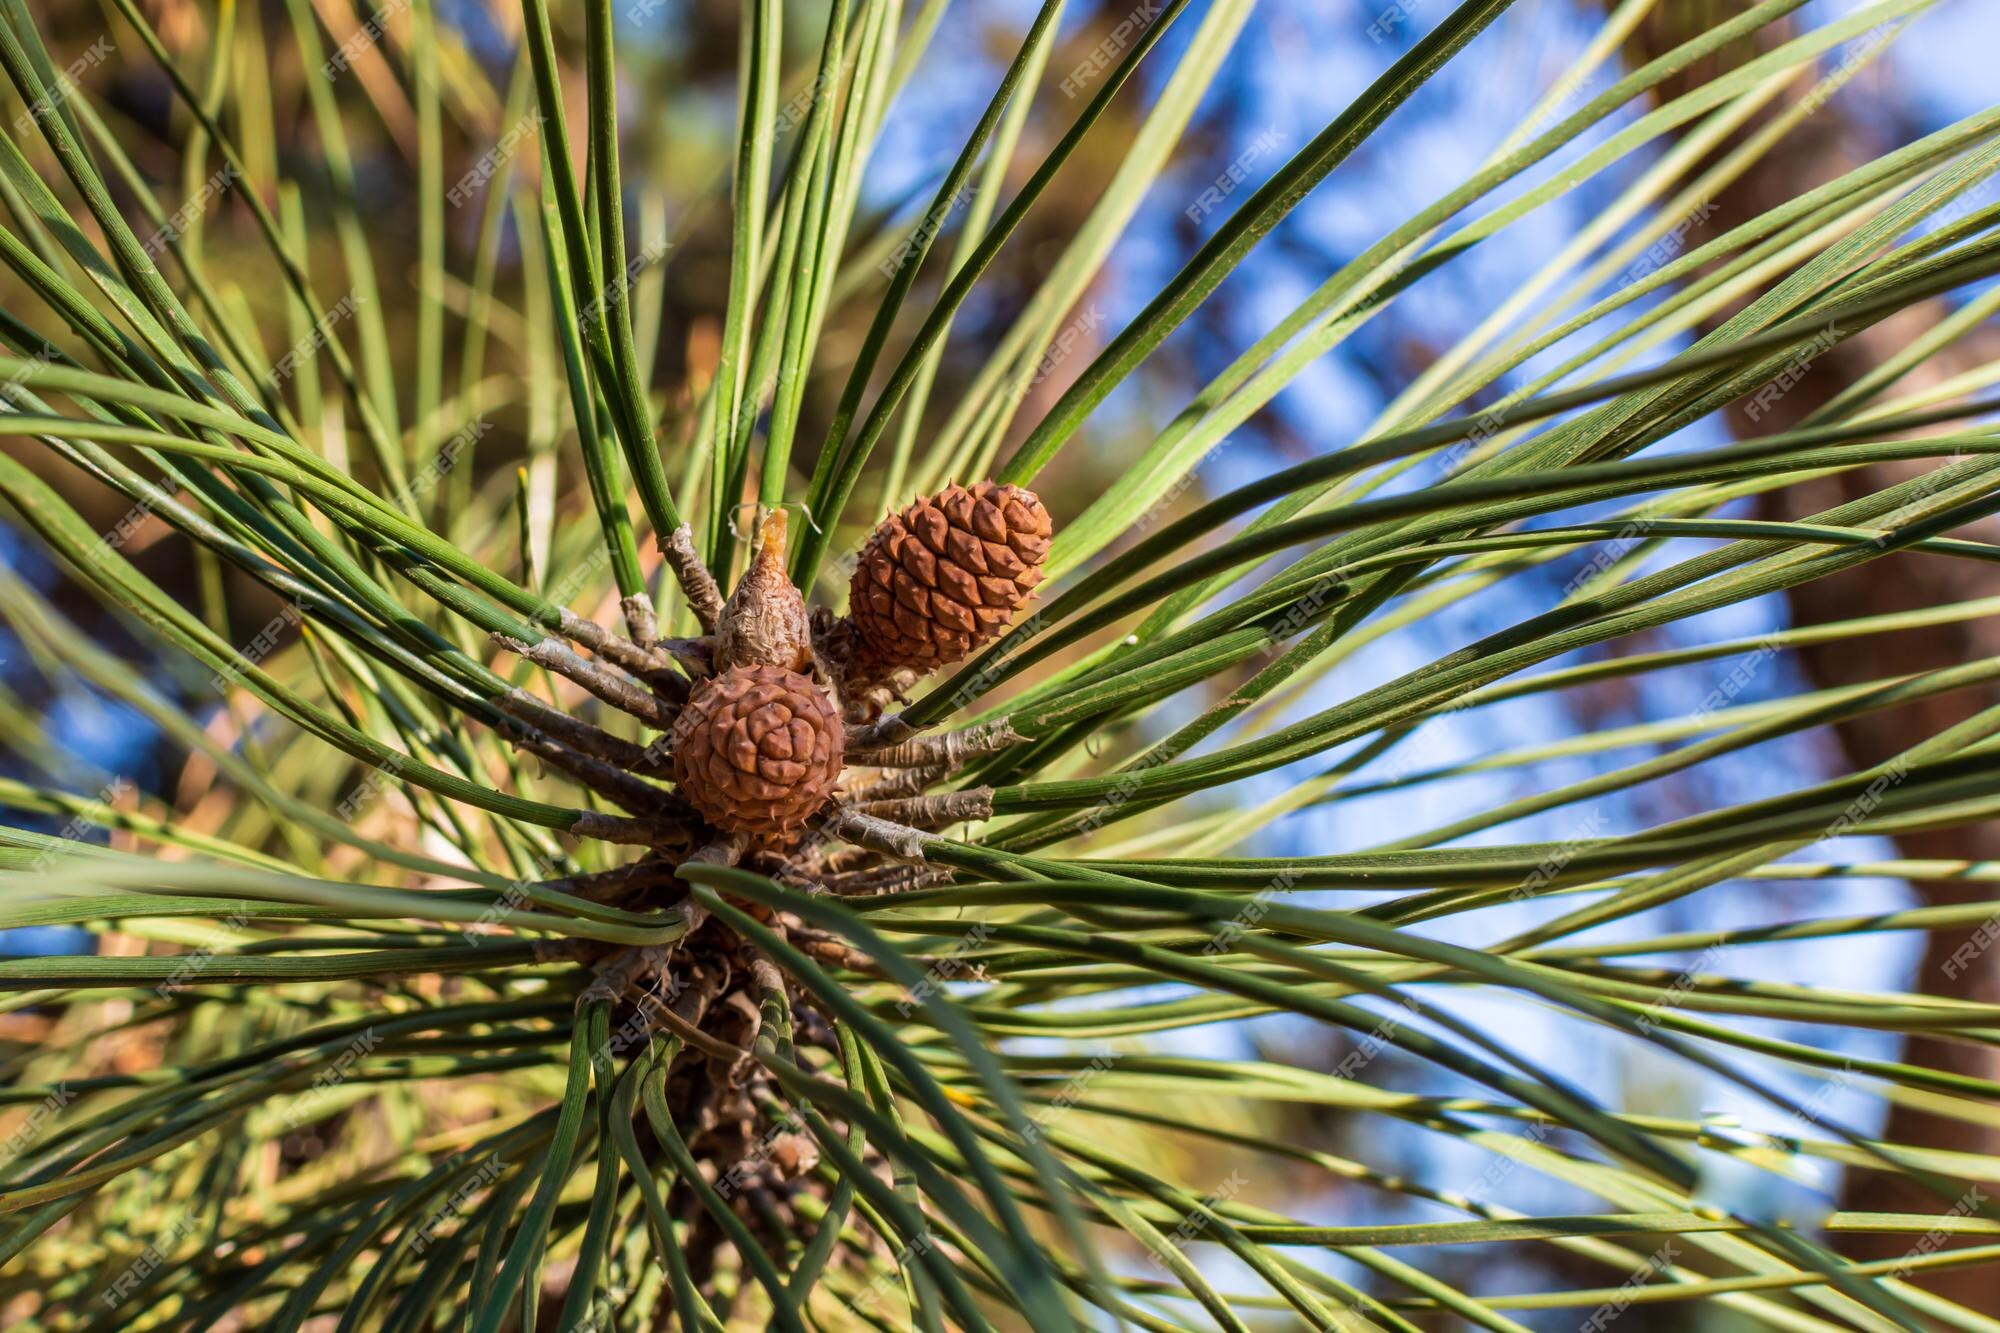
(771, 540)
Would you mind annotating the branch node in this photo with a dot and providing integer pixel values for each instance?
(876, 833)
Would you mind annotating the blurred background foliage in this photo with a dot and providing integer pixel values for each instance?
(1295, 66)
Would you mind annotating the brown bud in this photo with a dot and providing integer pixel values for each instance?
(759, 750)
(765, 622)
(947, 574)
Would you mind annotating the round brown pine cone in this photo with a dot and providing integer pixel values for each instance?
(759, 750)
(948, 573)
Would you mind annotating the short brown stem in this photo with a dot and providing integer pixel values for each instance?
(880, 734)
(876, 833)
(582, 736)
(900, 782)
(641, 620)
(630, 830)
(613, 689)
(635, 794)
(691, 572)
(930, 812)
(950, 748)
(641, 660)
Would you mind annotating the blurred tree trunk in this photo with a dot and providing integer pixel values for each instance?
(1829, 143)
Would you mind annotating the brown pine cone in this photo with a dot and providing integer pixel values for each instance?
(947, 574)
(759, 750)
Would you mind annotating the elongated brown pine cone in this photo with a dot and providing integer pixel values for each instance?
(759, 750)
(765, 621)
(947, 574)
